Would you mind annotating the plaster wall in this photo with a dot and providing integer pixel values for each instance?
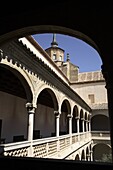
(14, 116)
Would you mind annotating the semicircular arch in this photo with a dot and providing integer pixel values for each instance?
(52, 94)
(66, 100)
(24, 79)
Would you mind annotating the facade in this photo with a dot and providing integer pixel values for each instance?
(43, 109)
(91, 87)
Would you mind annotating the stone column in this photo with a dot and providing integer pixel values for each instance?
(78, 130)
(91, 155)
(87, 126)
(70, 123)
(108, 75)
(57, 116)
(31, 112)
(82, 124)
(70, 127)
(89, 123)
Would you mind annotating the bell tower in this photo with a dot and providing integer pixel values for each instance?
(55, 53)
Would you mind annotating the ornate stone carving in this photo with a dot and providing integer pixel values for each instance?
(57, 114)
(30, 108)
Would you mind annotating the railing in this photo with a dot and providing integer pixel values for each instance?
(46, 147)
(101, 137)
(100, 134)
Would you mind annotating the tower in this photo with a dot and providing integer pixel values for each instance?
(55, 53)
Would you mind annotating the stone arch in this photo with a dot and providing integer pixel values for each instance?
(100, 123)
(99, 150)
(65, 111)
(83, 155)
(74, 119)
(67, 108)
(86, 116)
(21, 32)
(66, 100)
(75, 111)
(24, 80)
(85, 120)
(80, 121)
(77, 158)
(52, 98)
(87, 153)
(44, 117)
(15, 93)
(52, 92)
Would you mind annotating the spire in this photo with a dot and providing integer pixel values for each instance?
(54, 43)
(68, 57)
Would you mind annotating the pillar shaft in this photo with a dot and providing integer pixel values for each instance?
(57, 116)
(70, 123)
(31, 112)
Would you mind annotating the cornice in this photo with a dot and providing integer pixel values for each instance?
(43, 52)
(86, 82)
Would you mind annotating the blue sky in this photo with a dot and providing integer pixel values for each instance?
(81, 54)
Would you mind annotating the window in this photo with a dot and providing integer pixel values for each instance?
(60, 58)
(91, 98)
(54, 56)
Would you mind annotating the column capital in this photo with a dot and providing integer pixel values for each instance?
(89, 115)
(82, 118)
(56, 113)
(30, 107)
(88, 155)
(69, 116)
(77, 117)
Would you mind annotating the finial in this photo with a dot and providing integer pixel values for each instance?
(54, 43)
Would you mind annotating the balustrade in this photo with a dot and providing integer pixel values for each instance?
(43, 148)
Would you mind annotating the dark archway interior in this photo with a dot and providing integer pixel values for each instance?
(74, 119)
(97, 126)
(48, 98)
(11, 84)
(64, 107)
(45, 98)
(99, 150)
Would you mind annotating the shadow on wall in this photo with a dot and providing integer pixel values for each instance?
(43, 164)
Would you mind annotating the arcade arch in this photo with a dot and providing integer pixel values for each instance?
(74, 119)
(99, 150)
(77, 158)
(83, 155)
(15, 92)
(65, 112)
(44, 122)
(95, 123)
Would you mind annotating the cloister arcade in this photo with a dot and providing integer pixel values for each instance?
(35, 109)
(46, 105)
